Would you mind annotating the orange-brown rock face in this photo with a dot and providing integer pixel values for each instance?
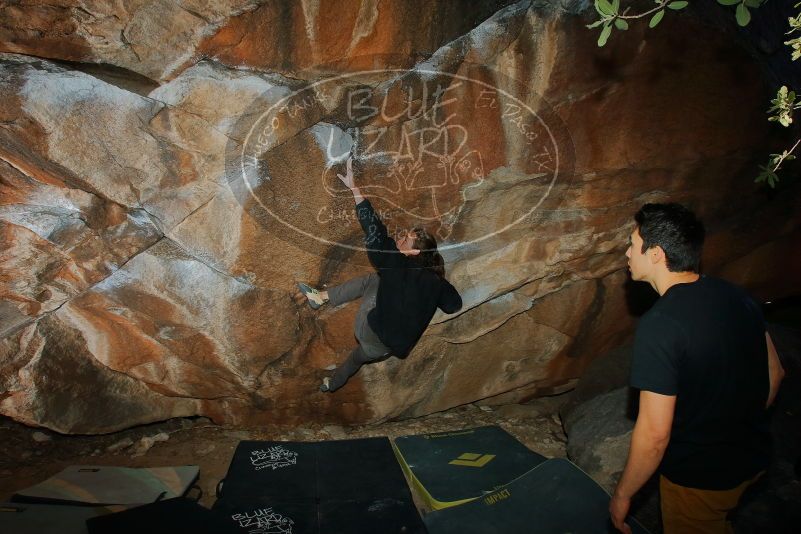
(153, 233)
(350, 35)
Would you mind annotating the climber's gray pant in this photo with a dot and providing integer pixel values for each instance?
(370, 348)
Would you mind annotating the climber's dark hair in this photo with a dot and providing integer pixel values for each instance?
(429, 258)
(676, 230)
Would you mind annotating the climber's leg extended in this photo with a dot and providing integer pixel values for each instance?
(353, 363)
(353, 289)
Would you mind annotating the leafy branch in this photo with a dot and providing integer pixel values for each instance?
(782, 107)
(795, 26)
(611, 17)
(768, 172)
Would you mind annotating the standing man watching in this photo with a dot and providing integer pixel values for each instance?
(707, 371)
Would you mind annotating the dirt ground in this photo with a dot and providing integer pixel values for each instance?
(30, 455)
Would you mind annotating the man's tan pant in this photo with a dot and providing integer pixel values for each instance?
(697, 511)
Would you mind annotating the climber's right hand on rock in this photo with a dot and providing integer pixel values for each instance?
(348, 178)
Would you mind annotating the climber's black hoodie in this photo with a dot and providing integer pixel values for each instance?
(408, 295)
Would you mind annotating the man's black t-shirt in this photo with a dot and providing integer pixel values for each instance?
(704, 342)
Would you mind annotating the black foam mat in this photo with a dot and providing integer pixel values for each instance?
(301, 471)
(377, 515)
(359, 469)
(349, 486)
(172, 516)
(282, 470)
(24, 518)
(384, 515)
(554, 497)
(268, 516)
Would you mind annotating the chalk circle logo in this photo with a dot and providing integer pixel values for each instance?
(473, 157)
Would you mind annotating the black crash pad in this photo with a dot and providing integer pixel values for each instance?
(171, 516)
(283, 470)
(348, 486)
(554, 497)
(300, 471)
(269, 516)
(384, 515)
(451, 468)
(26, 518)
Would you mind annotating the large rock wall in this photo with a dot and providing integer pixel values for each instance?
(158, 208)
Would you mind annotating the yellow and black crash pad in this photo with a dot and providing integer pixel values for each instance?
(452, 468)
(552, 498)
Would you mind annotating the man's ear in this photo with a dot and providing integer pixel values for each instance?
(657, 255)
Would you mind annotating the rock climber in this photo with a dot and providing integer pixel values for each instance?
(398, 300)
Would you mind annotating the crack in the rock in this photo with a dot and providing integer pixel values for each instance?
(129, 45)
(527, 281)
(82, 9)
(201, 206)
(496, 327)
(177, 109)
(159, 224)
(205, 262)
(570, 99)
(93, 285)
(529, 385)
(194, 13)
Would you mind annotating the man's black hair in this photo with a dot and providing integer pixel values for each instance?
(674, 228)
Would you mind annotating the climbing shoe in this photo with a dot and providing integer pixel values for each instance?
(312, 295)
(325, 386)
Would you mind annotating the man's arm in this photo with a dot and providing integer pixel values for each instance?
(648, 443)
(775, 370)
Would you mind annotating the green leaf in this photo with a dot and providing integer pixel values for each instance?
(767, 176)
(604, 7)
(621, 24)
(753, 3)
(729, 2)
(677, 5)
(615, 6)
(595, 24)
(656, 18)
(604, 35)
(743, 15)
